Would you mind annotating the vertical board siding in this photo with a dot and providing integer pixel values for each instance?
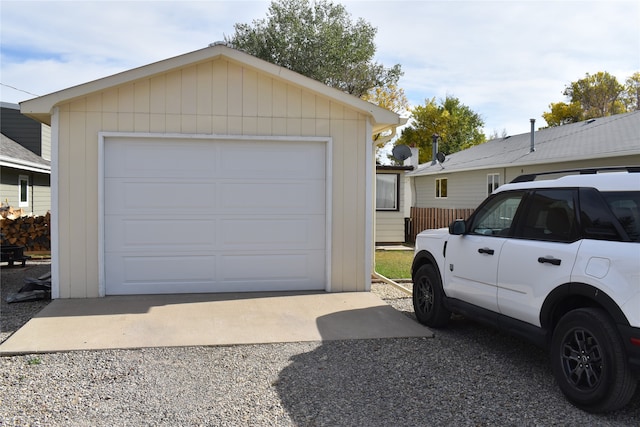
(214, 97)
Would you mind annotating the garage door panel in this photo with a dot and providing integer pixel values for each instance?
(186, 159)
(273, 233)
(278, 269)
(155, 234)
(272, 160)
(132, 274)
(145, 197)
(273, 197)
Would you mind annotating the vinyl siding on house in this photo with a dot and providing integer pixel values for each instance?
(46, 142)
(39, 191)
(463, 190)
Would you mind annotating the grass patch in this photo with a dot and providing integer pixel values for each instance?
(34, 361)
(394, 264)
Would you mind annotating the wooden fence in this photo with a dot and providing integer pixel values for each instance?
(430, 218)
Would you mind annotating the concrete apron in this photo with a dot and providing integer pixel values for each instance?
(121, 322)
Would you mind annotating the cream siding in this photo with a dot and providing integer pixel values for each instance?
(464, 190)
(213, 97)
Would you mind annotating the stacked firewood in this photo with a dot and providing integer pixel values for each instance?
(32, 232)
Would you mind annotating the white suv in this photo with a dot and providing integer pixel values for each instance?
(556, 261)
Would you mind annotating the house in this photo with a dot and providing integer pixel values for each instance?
(25, 169)
(466, 178)
(393, 201)
(212, 171)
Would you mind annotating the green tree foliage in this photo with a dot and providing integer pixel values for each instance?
(597, 95)
(457, 125)
(562, 114)
(631, 96)
(319, 40)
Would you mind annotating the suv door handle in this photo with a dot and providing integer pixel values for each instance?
(486, 251)
(554, 261)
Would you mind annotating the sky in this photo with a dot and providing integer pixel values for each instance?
(506, 60)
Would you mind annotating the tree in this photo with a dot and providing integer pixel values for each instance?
(597, 95)
(631, 96)
(457, 126)
(390, 97)
(562, 114)
(319, 40)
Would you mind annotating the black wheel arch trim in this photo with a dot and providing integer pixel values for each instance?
(422, 258)
(563, 294)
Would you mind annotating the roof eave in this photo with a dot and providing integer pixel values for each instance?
(10, 162)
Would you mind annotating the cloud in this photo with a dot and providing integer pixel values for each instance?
(506, 60)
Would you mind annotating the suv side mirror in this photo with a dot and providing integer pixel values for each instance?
(458, 227)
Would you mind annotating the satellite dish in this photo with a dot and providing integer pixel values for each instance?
(401, 152)
(440, 157)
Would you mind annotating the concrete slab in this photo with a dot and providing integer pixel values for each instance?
(120, 322)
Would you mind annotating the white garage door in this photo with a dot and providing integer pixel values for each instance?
(202, 215)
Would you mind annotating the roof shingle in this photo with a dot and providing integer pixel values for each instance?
(612, 136)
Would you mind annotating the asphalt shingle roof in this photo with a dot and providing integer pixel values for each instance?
(612, 136)
(11, 150)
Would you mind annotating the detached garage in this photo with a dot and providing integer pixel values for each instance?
(213, 171)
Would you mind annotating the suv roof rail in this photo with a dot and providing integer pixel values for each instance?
(582, 171)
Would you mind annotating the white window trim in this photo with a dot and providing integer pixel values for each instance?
(21, 203)
(396, 195)
(493, 182)
(438, 188)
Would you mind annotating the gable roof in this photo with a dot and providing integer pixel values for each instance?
(613, 136)
(40, 108)
(14, 155)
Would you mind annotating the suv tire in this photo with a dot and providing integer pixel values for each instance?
(589, 361)
(428, 298)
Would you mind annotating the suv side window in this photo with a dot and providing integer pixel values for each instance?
(550, 215)
(496, 216)
(625, 206)
(609, 216)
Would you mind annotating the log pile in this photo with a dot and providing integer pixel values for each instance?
(32, 232)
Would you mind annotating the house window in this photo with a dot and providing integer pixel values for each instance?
(387, 192)
(493, 182)
(441, 188)
(23, 190)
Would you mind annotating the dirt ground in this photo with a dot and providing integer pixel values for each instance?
(13, 316)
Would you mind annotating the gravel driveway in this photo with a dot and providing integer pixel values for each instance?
(468, 375)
